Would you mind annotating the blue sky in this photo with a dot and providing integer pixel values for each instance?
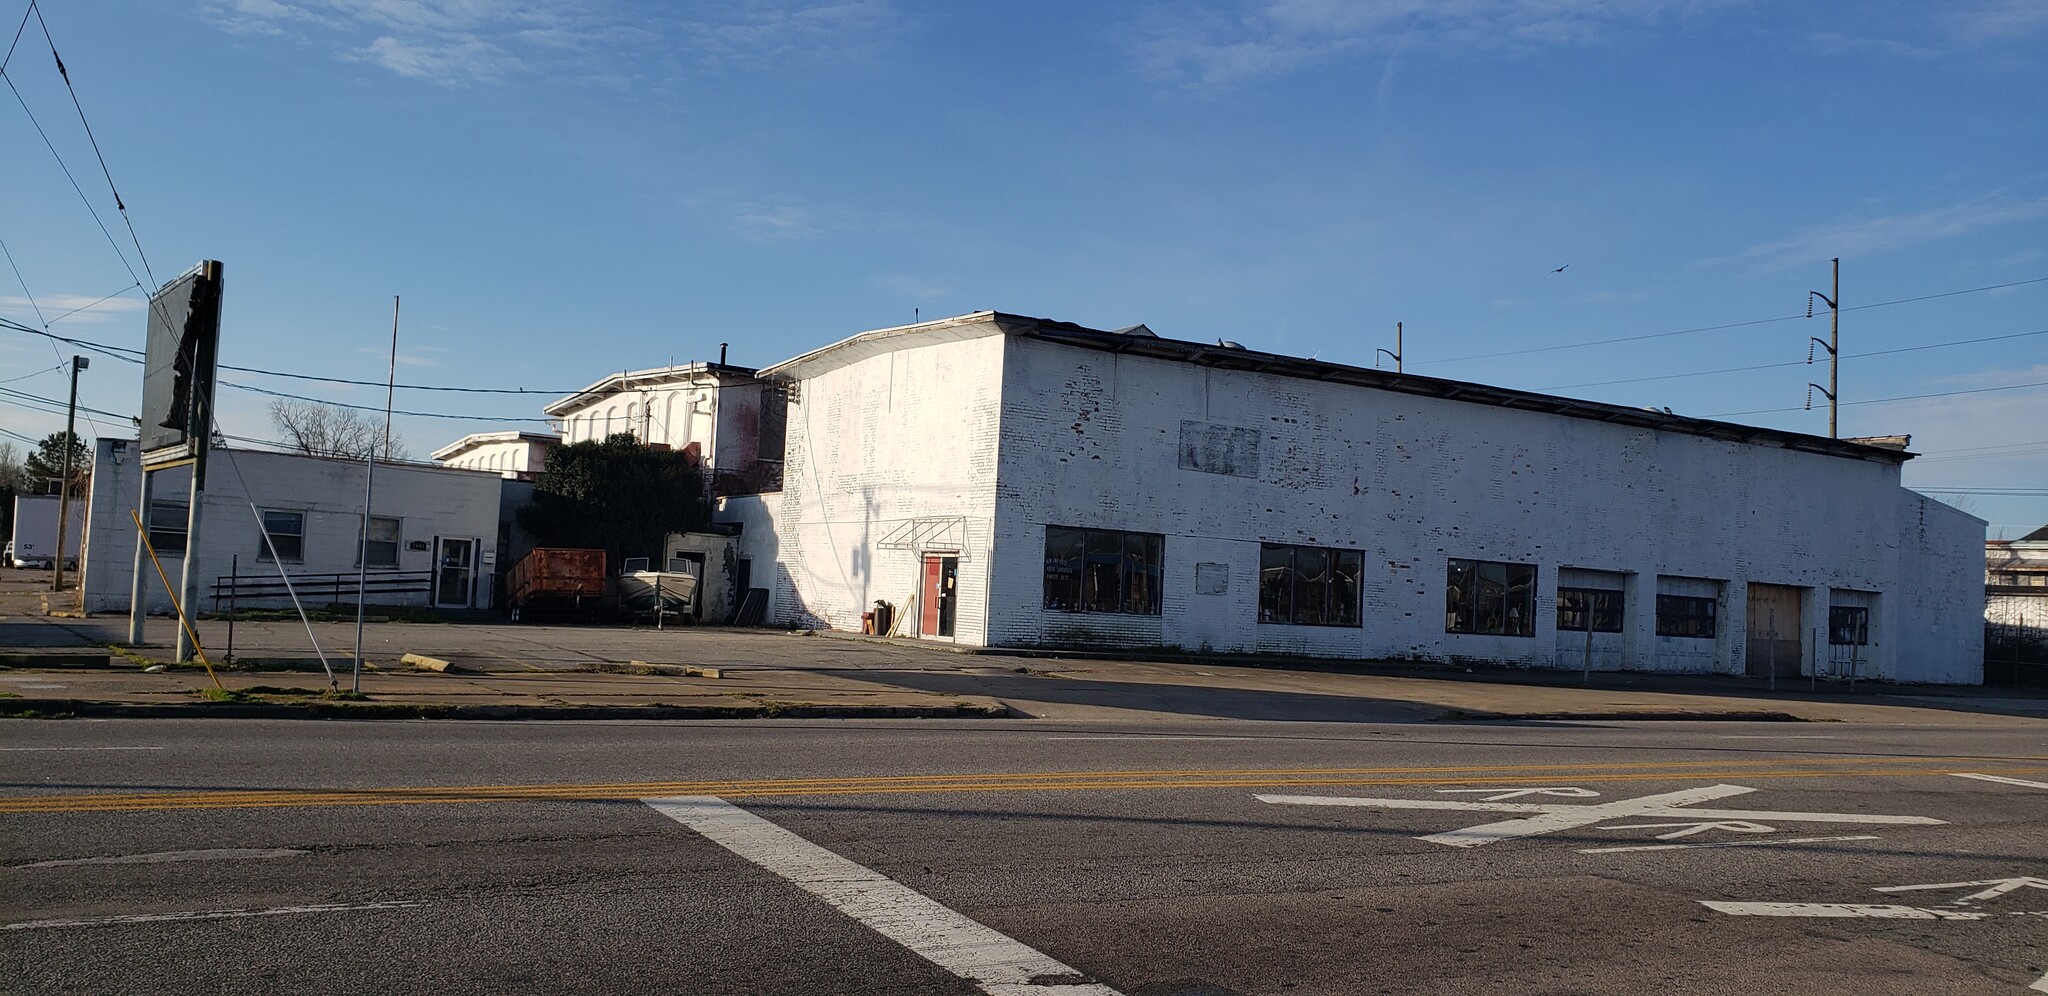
(562, 190)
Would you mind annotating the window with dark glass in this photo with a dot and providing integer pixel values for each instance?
(1685, 615)
(1102, 570)
(1490, 598)
(1848, 625)
(381, 546)
(287, 531)
(1309, 586)
(167, 522)
(1580, 609)
(774, 431)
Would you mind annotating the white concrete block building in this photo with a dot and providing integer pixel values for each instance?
(1035, 483)
(518, 456)
(722, 415)
(432, 531)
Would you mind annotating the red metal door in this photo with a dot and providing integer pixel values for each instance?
(928, 603)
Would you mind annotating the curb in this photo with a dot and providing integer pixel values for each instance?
(69, 708)
(68, 658)
(1640, 715)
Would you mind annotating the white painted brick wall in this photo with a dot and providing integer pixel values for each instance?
(429, 501)
(873, 445)
(1089, 439)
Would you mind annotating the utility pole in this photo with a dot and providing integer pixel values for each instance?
(369, 489)
(1396, 354)
(1833, 346)
(64, 487)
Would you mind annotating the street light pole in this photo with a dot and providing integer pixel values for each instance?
(64, 487)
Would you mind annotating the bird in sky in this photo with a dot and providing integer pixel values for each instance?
(1560, 269)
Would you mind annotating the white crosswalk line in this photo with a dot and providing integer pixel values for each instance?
(2001, 779)
(999, 964)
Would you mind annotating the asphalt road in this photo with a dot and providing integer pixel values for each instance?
(1169, 857)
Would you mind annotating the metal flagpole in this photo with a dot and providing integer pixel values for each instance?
(369, 489)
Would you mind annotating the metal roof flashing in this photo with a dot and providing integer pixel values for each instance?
(615, 383)
(1232, 358)
(1137, 340)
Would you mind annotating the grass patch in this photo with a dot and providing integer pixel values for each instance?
(127, 653)
(225, 695)
(10, 695)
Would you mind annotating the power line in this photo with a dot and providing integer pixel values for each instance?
(1730, 325)
(17, 36)
(23, 281)
(1979, 449)
(118, 350)
(59, 368)
(373, 408)
(1880, 401)
(74, 180)
(119, 207)
(87, 307)
(1794, 363)
(59, 406)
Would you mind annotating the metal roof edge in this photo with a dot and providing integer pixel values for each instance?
(476, 439)
(787, 368)
(1231, 358)
(615, 382)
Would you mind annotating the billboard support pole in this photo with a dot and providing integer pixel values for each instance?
(137, 591)
(188, 576)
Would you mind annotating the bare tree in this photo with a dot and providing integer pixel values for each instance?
(330, 430)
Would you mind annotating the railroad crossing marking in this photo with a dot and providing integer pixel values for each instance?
(1998, 887)
(1550, 817)
(1503, 795)
(1991, 888)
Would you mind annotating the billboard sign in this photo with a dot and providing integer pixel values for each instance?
(177, 377)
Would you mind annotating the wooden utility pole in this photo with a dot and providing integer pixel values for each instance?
(64, 486)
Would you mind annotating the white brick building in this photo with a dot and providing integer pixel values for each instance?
(514, 455)
(433, 530)
(715, 412)
(1036, 483)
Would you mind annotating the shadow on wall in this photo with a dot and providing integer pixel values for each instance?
(797, 614)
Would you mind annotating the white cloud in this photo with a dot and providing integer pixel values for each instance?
(1866, 236)
(2037, 374)
(72, 308)
(466, 60)
(757, 33)
(459, 42)
(1220, 46)
(1999, 20)
(913, 287)
(776, 222)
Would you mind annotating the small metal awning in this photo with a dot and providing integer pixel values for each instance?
(939, 533)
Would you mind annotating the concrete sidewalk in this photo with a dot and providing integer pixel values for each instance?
(131, 691)
(54, 665)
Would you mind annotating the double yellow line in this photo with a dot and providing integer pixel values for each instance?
(1041, 781)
